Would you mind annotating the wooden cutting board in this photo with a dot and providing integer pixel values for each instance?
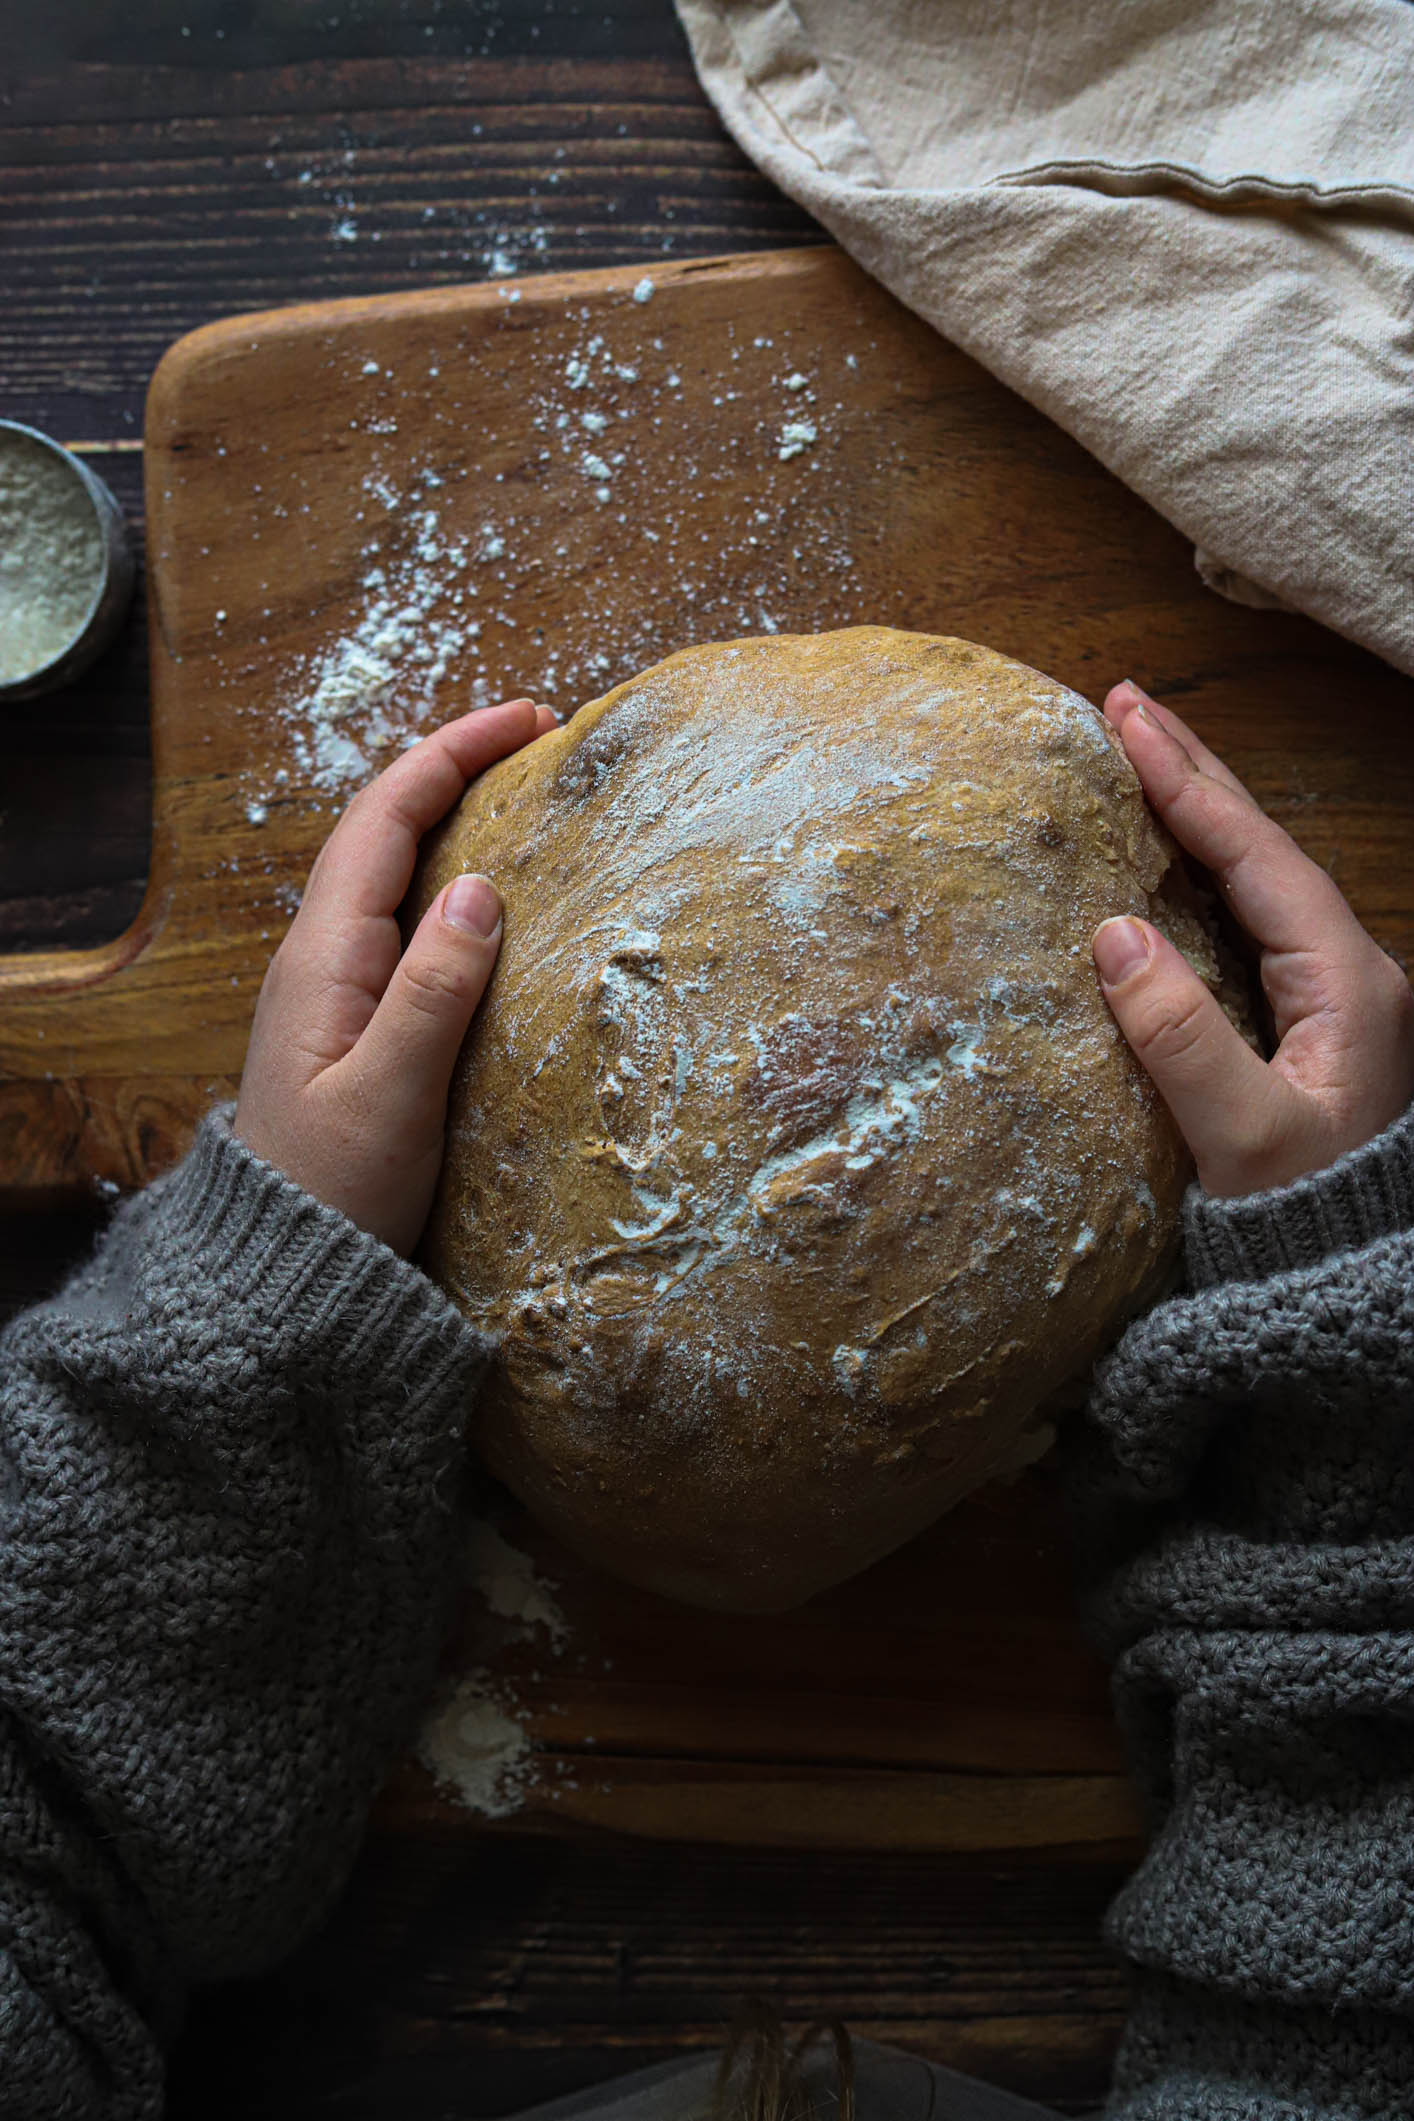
(364, 516)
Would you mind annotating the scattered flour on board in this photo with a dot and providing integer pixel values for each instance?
(474, 1742)
(474, 1748)
(507, 1580)
(469, 589)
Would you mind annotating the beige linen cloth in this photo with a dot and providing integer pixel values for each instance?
(1183, 231)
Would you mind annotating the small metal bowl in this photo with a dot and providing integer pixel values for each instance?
(113, 587)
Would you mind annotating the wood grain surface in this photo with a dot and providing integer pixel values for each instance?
(164, 168)
(945, 1700)
(365, 515)
(461, 1978)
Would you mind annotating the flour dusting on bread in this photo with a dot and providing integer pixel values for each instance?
(796, 1159)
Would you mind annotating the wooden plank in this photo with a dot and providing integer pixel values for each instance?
(150, 196)
(465, 1977)
(828, 1807)
(944, 1700)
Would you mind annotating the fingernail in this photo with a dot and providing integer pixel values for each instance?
(472, 904)
(1141, 699)
(1120, 946)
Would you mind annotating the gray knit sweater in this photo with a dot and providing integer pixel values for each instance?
(230, 1452)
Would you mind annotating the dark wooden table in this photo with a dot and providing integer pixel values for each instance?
(165, 166)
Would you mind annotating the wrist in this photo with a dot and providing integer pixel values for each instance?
(1366, 1194)
(306, 1267)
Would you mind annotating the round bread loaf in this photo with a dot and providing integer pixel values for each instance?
(795, 1161)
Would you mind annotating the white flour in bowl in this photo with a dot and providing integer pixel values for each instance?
(51, 556)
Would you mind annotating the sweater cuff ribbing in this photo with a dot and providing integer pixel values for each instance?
(304, 1264)
(1366, 1194)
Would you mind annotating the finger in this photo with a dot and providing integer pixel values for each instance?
(1283, 898)
(1122, 700)
(365, 867)
(345, 941)
(402, 1064)
(1128, 697)
(1226, 1102)
(546, 720)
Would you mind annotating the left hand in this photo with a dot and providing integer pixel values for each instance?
(1342, 1008)
(351, 1054)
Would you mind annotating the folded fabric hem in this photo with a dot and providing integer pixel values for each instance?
(1128, 180)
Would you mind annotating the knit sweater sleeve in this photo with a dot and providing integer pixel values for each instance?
(1243, 1483)
(229, 1457)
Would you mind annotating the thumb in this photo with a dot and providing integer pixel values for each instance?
(413, 1038)
(1226, 1102)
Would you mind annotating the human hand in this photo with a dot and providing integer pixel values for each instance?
(350, 1057)
(1343, 1010)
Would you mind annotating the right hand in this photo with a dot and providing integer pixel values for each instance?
(1343, 1009)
